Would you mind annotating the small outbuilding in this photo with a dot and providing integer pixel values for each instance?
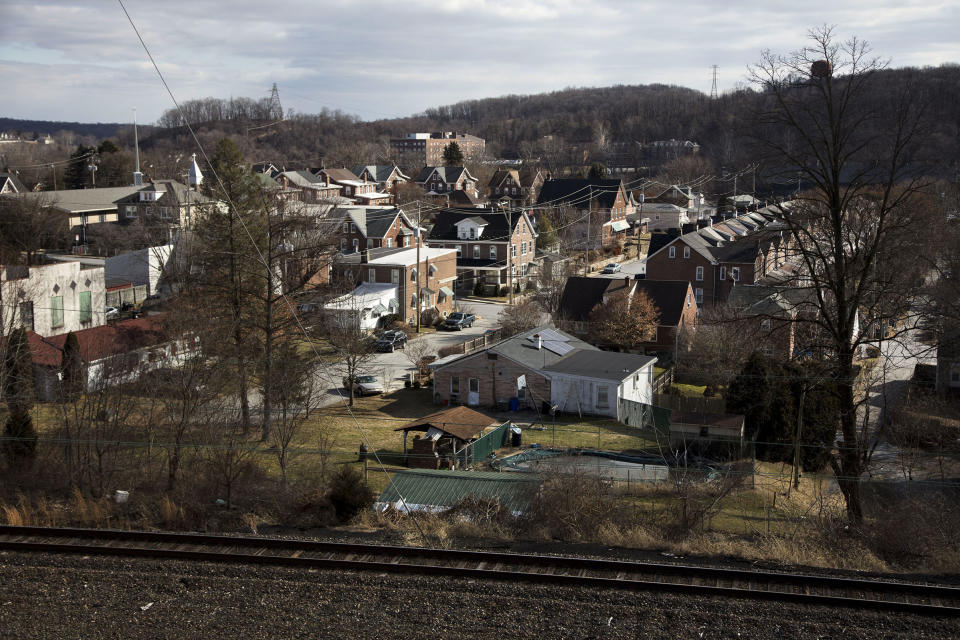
(446, 437)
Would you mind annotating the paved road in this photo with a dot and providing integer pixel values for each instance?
(627, 269)
(392, 368)
(898, 358)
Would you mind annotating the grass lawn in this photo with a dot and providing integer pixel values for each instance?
(571, 431)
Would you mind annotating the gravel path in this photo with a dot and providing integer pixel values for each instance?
(49, 596)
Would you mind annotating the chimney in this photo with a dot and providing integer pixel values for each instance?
(537, 340)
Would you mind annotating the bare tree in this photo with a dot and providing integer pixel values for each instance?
(352, 342)
(521, 317)
(820, 120)
(625, 321)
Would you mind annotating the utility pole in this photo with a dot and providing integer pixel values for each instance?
(796, 445)
(713, 88)
(417, 236)
(586, 258)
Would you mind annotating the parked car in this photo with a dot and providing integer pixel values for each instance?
(130, 309)
(363, 385)
(112, 313)
(390, 341)
(458, 320)
(613, 267)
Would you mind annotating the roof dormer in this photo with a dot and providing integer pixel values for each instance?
(470, 228)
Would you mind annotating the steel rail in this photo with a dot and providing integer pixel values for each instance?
(482, 559)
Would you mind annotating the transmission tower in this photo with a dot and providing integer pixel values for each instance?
(276, 111)
(713, 88)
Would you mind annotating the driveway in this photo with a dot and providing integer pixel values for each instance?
(392, 368)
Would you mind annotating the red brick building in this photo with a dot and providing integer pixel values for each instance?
(607, 202)
(374, 228)
(434, 275)
(432, 145)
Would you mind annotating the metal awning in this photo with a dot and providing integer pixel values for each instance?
(427, 290)
(379, 308)
(406, 232)
(447, 291)
(620, 225)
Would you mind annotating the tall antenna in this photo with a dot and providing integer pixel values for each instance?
(713, 88)
(137, 176)
(276, 111)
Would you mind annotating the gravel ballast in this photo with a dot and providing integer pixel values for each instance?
(64, 596)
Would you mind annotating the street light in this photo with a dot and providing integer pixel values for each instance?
(92, 168)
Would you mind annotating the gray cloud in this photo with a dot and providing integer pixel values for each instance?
(80, 60)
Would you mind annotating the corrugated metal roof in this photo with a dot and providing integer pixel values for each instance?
(435, 489)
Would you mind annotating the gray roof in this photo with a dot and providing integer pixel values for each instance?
(380, 172)
(447, 174)
(371, 222)
(521, 349)
(607, 365)
(83, 200)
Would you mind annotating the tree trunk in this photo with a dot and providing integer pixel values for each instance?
(850, 465)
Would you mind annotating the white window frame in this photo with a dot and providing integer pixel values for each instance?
(459, 250)
(699, 275)
(493, 252)
(371, 275)
(673, 252)
(605, 403)
(698, 294)
(476, 252)
(686, 252)
(395, 276)
(735, 274)
(413, 275)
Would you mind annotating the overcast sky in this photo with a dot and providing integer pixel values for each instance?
(81, 60)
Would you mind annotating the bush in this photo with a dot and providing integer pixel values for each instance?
(502, 291)
(416, 384)
(478, 289)
(406, 383)
(402, 326)
(429, 317)
(348, 493)
(388, 320)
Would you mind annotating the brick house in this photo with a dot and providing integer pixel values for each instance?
(430, 146)
(352, 186)
(519, 186)
(674, 299)
(447, 180)
(483, 240)
(545, 367)
(712, 268)
(373, 228)
(387, 177)
(435, 274)
(311, 188)
(606, 201)
(777, 319)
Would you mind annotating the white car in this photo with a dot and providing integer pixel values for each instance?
(364, 385)
(613, 267)
(112, 313)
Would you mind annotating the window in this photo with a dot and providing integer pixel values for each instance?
(473, 232)
(474, 385)
(723, 273)
(603, 397)
(343, 244)
(700, 273)
(513, 190)
(476, 252)
(768, 351)
(413, 301)
(688, 301)
(26, 315)
(686, 252)
(370, 244)
(356, 244)
(765, 323)
(353, 227)
(432, 270)
(389, 243)
(513, 251)
(454, 387)
(86, 307)
(735, 274)
(56, 312)
(523, 248)
(413, 275)
(699, 294)
(346, 227)
(459, 250)
(406, 241)
(493, 252)
(371, 275)
(673, 252)
(395, 276)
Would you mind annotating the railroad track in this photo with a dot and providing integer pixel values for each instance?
(909, 597)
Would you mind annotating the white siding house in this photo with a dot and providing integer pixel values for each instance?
(593, 382)
(54, 298)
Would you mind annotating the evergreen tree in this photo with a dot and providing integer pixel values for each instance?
(76, 175)
(547, 235)
(598, 171)
(19, 436)
(71, 367)
(452, 155)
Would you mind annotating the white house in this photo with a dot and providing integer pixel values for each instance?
(52, 299)
(364, 305)
(142, 267)
(594, 382)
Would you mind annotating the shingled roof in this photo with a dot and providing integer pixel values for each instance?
(462, 422)
(445, 223)
(101, 342)
(577, 192)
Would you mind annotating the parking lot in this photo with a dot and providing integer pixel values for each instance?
(392, 369)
